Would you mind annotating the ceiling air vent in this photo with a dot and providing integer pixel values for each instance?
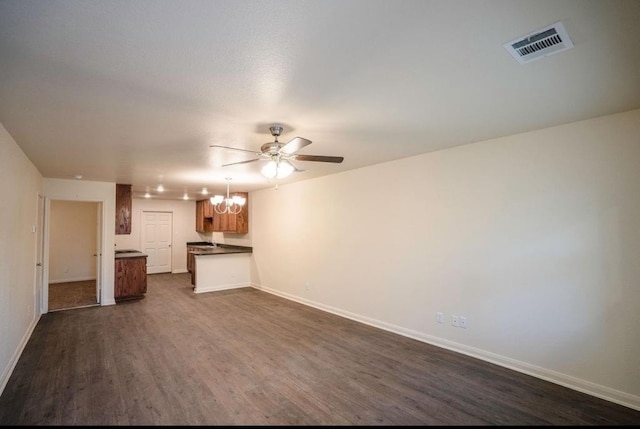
(541, 43)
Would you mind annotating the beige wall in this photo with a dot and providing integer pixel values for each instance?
(20, 184)
(73, 228)
(534, 238)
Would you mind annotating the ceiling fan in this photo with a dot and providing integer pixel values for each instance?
(280, 155)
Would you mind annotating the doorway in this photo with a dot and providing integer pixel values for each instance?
(157, 233)
(74, 254)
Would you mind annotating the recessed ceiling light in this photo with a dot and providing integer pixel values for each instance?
(147, 195)
(160, 188)
(185, 197)
(78, 176)
(204, 191)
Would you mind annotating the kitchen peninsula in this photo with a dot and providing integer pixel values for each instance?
(219, 266)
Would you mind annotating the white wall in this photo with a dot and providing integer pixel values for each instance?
(20, 184)
(534, 238)
(184, 227)
(72, 241)
(103, 193)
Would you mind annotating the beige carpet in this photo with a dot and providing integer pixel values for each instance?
(63, 296)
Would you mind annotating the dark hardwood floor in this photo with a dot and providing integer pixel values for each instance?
(245, 357)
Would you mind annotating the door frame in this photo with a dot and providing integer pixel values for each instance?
(46, 242)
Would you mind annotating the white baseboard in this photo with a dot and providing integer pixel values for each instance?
(584, 386)
(8, 370)
(76, 279)
(221, 287)
(179, 271)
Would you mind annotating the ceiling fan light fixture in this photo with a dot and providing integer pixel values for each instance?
(278, 170)
(278, 155)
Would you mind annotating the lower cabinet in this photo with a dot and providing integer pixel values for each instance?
(131, 278)
(190, 259)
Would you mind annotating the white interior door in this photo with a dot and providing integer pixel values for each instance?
(157, 232)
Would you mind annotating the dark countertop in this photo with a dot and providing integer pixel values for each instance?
(201, 245)
(219, 249)
(129, 253)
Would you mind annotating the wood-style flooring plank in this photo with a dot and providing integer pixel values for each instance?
(245, 357)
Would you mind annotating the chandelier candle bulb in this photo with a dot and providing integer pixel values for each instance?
(232, 205)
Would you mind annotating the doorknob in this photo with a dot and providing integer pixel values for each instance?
(39, 264)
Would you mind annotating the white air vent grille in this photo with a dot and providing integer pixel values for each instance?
(541, 43)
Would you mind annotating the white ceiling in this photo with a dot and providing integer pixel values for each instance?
(136, 91)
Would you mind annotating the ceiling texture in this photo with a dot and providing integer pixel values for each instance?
(136, 91)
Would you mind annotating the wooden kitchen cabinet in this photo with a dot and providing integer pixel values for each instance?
(203, 223)
(233, 223)
(208, 209)
(123, 209)
(190, 259)
(131, 278)
(207, 220)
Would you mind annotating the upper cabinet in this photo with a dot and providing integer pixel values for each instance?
(208, 209)
(207, 220)
(123, 209)
(204, 220)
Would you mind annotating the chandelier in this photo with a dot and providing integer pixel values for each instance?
(231, 205)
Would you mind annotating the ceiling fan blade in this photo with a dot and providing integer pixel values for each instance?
(294, 145)
(295, 168)
(336, 159)
(241, 162)
(236, 148)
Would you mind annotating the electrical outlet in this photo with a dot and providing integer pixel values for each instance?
(455, 321)
(439, 317)
(306, 286)
(463, 322)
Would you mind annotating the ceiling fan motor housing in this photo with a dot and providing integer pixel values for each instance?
(271, 148)
(274, 150)
(276, 130)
